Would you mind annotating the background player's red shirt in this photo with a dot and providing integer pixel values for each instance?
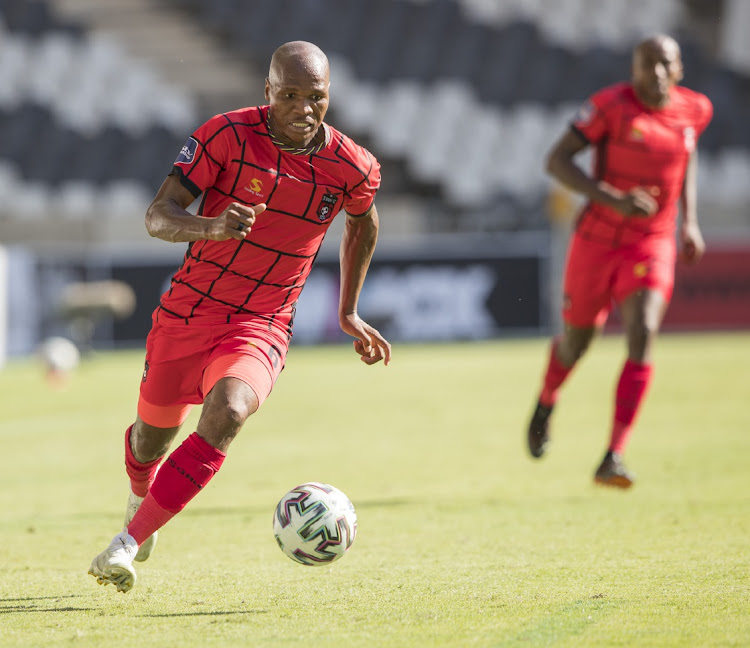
(231, 158)
(639, 146)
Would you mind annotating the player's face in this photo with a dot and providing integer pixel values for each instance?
(298, 96)
(657, 67)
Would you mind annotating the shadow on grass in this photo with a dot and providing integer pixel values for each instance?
(36, 604)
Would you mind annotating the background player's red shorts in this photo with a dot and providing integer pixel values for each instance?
(597, 274)
(184, 362)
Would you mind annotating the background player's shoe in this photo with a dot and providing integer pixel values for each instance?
(115, 563)
(538, 433)
(134, 502)
(612, 472)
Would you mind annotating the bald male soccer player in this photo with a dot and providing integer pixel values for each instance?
(623, 250)
(272, 179)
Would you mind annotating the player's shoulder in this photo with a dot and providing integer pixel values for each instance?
(693, 103)
(241, 117)
(612, 95)
(344, 147)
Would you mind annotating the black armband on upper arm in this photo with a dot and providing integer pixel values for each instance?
(186, 182)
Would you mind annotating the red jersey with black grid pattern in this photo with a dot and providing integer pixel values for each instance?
(639, 146)
(231, 158)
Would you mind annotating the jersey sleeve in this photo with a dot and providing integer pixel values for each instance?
(362, 176)
(591, 120)
(204, 155)
(705, 113)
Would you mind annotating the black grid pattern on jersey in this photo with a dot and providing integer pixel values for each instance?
(256, 129)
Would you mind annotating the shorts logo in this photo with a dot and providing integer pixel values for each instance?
(325, 208)
(255, 187)
(187, 154)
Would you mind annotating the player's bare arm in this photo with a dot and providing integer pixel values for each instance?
(167, 217)
(692, 244)
(357, 246)
(637, 202)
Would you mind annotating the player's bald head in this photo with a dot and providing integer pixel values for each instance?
(658, 43)
(297, 57)
(657, 67)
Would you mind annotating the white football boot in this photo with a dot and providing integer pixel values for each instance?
(115, 563)
(134, 503)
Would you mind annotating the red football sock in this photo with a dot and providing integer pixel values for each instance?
(631, 390)
(184, 473)
(141, 474)
(554, 376)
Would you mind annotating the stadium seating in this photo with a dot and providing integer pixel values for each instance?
(458, 98)
(77, 115)
(466, 95)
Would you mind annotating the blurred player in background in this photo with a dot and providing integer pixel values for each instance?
(623, 248)
(272, 178)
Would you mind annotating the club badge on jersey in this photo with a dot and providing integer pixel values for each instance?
(325, 208)
(187, 154)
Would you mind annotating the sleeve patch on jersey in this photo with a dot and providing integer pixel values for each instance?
(187, 154)
(585, 113)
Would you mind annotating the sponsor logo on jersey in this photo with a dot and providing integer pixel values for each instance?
(640, 269)
(145, 372)
(326, 206)
(255, 187)
(636, 134)
(187, 154)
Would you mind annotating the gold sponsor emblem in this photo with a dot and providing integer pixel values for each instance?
(255, 186)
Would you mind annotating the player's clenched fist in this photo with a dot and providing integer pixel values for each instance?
(235, 222)
(638, 202)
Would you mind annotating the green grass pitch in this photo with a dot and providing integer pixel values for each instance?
(463, 539)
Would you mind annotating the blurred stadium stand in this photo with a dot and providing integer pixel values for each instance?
(459, 99)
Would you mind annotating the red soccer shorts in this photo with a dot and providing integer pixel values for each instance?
(184, 362)
(597, 274)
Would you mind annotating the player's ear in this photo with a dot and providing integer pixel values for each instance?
(267, 89)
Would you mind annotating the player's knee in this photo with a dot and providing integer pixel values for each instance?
(229, 404)
(640, 335)
(574, 344)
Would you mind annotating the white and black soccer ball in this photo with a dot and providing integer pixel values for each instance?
(59, 354)
(315, 523)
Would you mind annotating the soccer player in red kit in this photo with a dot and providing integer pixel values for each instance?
(272, 178)
(623, 249)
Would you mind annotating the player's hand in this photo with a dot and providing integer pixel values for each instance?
(693, 245)
(369, 343)
(235, 222)
(637, 202)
